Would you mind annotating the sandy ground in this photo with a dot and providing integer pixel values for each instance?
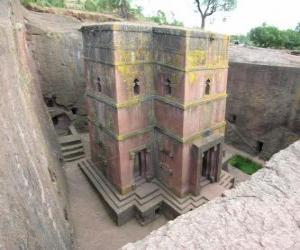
(93, 227)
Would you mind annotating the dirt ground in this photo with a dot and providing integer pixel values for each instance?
(94, 229)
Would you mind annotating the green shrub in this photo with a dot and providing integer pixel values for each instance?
(47, 3)
(244, 164)
(270, 37)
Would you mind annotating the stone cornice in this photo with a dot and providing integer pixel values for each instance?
(187, 139)
(134, 101)
(186, 69)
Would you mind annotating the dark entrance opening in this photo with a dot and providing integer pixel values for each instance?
(157, 210)
(140, 164)
(232, 119)
(55, 120)
(99, 85)
(259, 146)
(210, 162)
(74, 111)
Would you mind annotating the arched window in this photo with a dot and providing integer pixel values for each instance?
(168, 87)
(74, 110)
(136, 87)
(207, 87)
(99, 86)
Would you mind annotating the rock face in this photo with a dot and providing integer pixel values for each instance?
(262, 213)
(33, 204)
(263, 105)
(56, 45)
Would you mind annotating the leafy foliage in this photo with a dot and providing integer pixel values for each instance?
(122, 7)
(47, 3)
(161, 18)
(244, 39)
(208, 7)
(244, 164)
(271, 37)
(297, 29)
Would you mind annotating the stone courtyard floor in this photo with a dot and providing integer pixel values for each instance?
(93, 227)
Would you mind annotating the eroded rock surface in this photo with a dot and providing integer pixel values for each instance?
(33, 204)
(262, 213)
(56, 45)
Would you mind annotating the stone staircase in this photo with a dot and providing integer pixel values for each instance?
(71, 146)
(147, 196)
(226, 180)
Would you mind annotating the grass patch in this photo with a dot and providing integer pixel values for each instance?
(244, 164)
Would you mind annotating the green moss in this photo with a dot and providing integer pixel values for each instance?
(244, 164)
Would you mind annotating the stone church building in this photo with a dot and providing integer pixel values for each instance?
(156, 101)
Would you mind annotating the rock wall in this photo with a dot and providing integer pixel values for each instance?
(263, 107)
(56, 45)
(262, 213)
(33, 196)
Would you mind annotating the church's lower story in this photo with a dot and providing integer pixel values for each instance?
(151, 198)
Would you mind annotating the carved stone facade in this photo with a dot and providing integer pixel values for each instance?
(156, 104)
(263, 107)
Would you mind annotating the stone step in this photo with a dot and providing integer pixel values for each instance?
(97, 185)
(148, 195)
(75, 158)
(72, 155)
(71, 147)
(103, 179)
(69, 140)
(118, 199)
(204, 182)
(78, 151)
(140, 181)
(111, 198)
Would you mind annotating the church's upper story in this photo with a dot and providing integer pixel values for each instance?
(130, 61)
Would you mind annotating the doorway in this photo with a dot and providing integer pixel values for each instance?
(210, 163)
(205, 164)
(140, 164)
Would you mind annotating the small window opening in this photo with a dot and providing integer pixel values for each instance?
(232, 118)
(74, 111)
(207, 87)
(55, 120)
(259, 146)
(168, 87)
(157, 210)
(136, 87)
(99, 86)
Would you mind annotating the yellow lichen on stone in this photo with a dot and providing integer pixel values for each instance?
(196, 58)
(192, 78)
(132, 57)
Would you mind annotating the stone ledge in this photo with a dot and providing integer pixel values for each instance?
(261, 213)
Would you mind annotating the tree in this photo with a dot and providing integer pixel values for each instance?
(161, 18)
(209, 7)
(271, 37)
(298, 28)
(266, 36)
